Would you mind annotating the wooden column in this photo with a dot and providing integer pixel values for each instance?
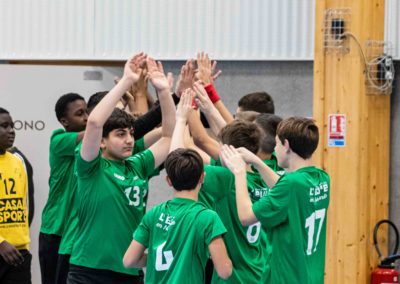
(359, 171)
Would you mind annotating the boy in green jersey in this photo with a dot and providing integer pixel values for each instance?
(294, 211)
(71, 113)
(113, 184)
(181, 233)
(247, 246)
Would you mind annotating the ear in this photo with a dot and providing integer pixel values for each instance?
(64, 122)
(201, 180)
(103, 143)
(168, 181)
(286, 145)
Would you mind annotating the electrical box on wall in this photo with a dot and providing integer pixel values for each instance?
(379, 72)
(337, 24)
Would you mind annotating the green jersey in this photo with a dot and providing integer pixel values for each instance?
(113, 197)
(217, 182)
(247, 246)
(177, 234)
(294, 215)
(61, 181)
(71, 225)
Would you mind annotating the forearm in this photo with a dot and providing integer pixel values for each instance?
(215, 120)
(168, 112)
(142, 261)
(201, 138)
(243, 201)
(139, 104)
(268, 175)
(103, 110)
(226, 115)
(178, 135)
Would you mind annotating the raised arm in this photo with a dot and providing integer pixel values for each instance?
(268, 175)
(100, 114)
(205, 73)
(161, 84)
(182, 113)
(201, 137)
(213, 116)
(234, 161)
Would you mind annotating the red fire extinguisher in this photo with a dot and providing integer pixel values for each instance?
(386, 273)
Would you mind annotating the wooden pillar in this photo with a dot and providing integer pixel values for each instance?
(360, 170)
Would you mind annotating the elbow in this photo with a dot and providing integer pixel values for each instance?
(226, 271)
(93, 123)
(246, 219)
(129, 262)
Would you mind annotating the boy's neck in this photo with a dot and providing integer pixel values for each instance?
(188, 194)
(264, 156)
(297, 163)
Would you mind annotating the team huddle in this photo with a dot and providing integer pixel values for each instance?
(248, 205)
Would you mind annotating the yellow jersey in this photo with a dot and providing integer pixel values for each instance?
(14, 226)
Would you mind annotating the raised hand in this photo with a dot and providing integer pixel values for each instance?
(133, 67)
(201, 98)
(186, 77)
(248, 156)
(185, 105)
(206, 68)
(232, 159)
(155, 72)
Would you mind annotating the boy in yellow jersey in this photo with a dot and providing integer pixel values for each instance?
(15, 259)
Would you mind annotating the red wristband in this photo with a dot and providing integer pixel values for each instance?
(212, 93)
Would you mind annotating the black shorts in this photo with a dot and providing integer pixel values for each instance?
(20, 274)
(85, 275)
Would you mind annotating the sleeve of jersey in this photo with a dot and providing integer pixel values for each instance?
(86, 169)
(139, 146)
(143, 163)
(2, 239)
(213, 226)
(142, 232)
(63, 144)
(272, 209)
(217, 182)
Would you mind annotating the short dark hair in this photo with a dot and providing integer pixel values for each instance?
(3, 110)
(268, 124)
(248, 115)
(118, 119)
(95, 99)
(301, 133)
(184, 168)
(63, 102)
(240, 133)
(259, 101)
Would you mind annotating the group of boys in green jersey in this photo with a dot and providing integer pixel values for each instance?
(257, 212)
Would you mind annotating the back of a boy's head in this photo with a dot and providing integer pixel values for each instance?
(301, 133)
(95, 99)
(184, 168)
(118, 119)
(259, 101)
(247, 115)
(63, 102)
(268, 124)
(240, 133)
